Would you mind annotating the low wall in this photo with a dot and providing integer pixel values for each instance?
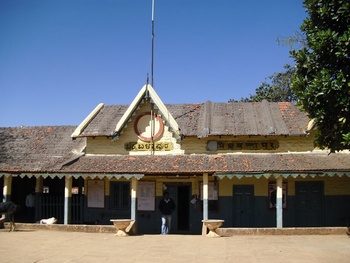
(225, 232)
(68, 228)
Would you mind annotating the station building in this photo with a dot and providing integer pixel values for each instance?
(250, 164)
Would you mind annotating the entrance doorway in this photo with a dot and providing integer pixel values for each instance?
(309, 201)
(180, 193)
(2, 189)
(21, 187)
(243, 205)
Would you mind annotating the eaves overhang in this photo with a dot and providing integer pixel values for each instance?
(92, 176)
(284, 174)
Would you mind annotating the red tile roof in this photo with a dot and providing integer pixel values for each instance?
(51, 149)
(201, 163)
(202, 120)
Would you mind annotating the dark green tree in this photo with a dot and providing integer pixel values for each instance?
(322, 77)
(277, 88)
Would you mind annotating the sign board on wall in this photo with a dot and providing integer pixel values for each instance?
(96, 194)
(212, 191)
(242, 145)
(147, 146)
(146, 196)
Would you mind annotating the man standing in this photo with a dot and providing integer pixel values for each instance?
(166, 207)
(30, 204)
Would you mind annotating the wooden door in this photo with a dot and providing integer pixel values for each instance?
(243, 206)
(309, 202)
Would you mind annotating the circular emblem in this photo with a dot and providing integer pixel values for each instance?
(143, 126)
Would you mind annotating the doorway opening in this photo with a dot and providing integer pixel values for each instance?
(181, 194)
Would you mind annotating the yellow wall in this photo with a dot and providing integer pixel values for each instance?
(107, 187)
(289, 143)
(260, 185)
(161, 180)
(190, 145)
(105, 145)
(337, 185)
(332, 185)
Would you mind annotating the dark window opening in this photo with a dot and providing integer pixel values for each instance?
(120, 196)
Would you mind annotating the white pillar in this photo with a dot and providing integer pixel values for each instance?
(67, 199)
(6, 191)
(205, 196)
(279, 203)
(133, 197)
(39, 185)
(205, 191)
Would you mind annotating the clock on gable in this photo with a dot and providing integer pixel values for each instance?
(147, 125)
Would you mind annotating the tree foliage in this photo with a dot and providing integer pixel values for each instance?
(298, 39)
(322, 77)
(277, 89)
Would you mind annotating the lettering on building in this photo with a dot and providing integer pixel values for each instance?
(148, 146)
(242, 145)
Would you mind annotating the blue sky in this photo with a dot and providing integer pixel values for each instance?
(60, 58)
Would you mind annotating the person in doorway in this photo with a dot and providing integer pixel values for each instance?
(166, 207)
(30, 204)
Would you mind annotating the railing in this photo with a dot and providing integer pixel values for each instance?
(77, 209)
(53, 206)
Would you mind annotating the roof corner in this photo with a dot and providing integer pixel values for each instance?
(86, 121)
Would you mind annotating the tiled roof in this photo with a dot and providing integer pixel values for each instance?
(201, 163)
(37, 148)
(202, 120)
(152, 164)
(283, 162)
(105, 121)
(51, 149)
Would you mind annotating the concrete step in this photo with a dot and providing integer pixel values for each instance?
(225, 232)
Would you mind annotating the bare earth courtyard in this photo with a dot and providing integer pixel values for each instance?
(57, 246)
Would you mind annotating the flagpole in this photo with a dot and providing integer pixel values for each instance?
(152, 79)
(152, 63)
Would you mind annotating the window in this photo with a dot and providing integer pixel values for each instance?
(120, 196)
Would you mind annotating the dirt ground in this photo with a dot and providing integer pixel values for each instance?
(59, 246)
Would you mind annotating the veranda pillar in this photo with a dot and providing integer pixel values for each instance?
(6, 191)
(205, 201)
(134, 183)
(67, 199)
(279, 202)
